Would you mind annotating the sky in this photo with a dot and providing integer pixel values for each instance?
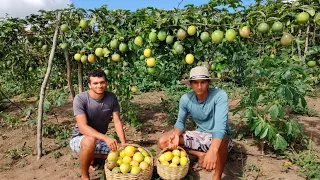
(22, 8)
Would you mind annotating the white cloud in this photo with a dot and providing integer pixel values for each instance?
(22, 8)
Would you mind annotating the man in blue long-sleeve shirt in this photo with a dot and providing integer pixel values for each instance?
(208, 107)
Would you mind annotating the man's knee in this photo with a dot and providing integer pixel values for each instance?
(88, 142)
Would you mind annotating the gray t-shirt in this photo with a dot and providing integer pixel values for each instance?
(98, 112)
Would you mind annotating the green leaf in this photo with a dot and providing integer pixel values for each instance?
(279, 143)
(287, 75)
(93, 20)
(271, 19)
(271, 133)
(274, 112)
(288, 94)
(250, 113)
(258, 128)
(303, 102)
(266, 109)
(256, 13)
(264, 131)
(46, 105)
(281, 111)
(244, 113)
(289, 127)
(308, 9)
(255, 93)
(255, 124)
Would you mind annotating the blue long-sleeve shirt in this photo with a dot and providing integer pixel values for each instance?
(210, 116)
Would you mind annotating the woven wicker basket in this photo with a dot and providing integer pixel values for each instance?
(172, 173)
(143, 175)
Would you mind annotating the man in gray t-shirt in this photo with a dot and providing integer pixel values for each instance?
(93, 111)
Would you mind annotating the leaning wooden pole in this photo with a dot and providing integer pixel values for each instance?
(69, 74)
(80, 76)
(43, 88)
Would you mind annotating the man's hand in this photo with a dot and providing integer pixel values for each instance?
(112, 143)
(173, 141)
(209, 162)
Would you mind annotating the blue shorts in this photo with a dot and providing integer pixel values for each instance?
(101, 146)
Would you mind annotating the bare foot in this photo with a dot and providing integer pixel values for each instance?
(93, 168)
(201, 158)
(198, 165)
(94, 165)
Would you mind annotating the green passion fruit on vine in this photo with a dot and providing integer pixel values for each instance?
(169, 39)
(263, 27)
(181, 34)
(151, 70)
(84, 59)
(138, 41)
(64, 28)
(89, 44)
(63, 45)
(312, 63)
(205, 37)
(83, 23)
(105, 51)
(123, 47)
(277, 26)
(179, 49)
(44, 47)
(77, 57)
(217, 36)
(303, 17)
(39, 44)
(231, 35)
(115, 57)
(162, 35)
(272, 56)
(286, 39)
(245, 32)
(317, 18)
(152, 36)
(114, 44)
(176, 44)
(192, 30)
(99, 52)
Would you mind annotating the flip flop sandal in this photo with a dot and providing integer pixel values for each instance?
(96, 164)
(197, 167)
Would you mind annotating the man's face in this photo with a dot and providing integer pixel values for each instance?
(97, 84)
(199, 86)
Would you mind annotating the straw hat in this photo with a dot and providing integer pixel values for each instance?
(197, 73)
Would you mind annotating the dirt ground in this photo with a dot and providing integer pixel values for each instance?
(59, 162)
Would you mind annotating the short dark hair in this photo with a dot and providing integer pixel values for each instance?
(97, 73)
